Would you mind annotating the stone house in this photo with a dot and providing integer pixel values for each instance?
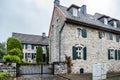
(29, 44)
(88, 39)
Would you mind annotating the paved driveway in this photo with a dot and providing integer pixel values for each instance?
(38, 77)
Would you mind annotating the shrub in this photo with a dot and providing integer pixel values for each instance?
(11, 58)
(39, 54)
(3, 75)
(16, 52)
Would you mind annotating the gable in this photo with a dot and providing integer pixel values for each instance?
(57, 18)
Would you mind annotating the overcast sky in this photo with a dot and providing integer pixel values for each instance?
(33, 16)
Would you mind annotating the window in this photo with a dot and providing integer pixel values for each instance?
(75, 12)
(105, 21)
(101, 34)
(79, 53)
(78, 32)
(44, 49)
(110, 36)
(32, 46)
(112, 54)
(29, 46)
(25, 46)
(115, 24)
(81, 32)
(117, 38)
(29, 55)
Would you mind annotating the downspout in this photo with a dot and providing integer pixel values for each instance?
(60, 41)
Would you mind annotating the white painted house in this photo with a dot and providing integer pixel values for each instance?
(88, 39)
(29, 43)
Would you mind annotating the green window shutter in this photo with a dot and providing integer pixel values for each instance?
(32, 55)
(117, 38)
(84, 33)
(116, 54)
(111, 36)
(100, 35)
(25, 55)
(85, 53)
(74, 53)
(108, 54)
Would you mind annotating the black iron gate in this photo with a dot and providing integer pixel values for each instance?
(36, 69)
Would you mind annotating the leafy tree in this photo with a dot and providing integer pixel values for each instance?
(2, 45)
(2, 50)
(12, 43)
(39, 54)
(2, 53)
(16, 52)
(47, 58)
(12, 58)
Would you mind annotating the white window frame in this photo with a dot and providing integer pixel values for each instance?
(29, 46)
(79, 52)
(115, 24)
(78, 32)
(105, 21)
(75, 12)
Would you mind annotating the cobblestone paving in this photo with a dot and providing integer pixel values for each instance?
(38, 77)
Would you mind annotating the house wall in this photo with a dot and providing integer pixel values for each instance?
(97, 49)
(56, 25)
(31, 51)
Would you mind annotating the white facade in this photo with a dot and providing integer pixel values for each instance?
(29, 52)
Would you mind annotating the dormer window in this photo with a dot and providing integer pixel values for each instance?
(75, 12)
(104, 19)
(113, 22)
(73, 9)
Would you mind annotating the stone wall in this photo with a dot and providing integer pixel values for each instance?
(60, 68)
(9, 68)
(55, 27)
(97, 49)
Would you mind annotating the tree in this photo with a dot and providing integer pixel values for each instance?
(39, 54)
(12, 58)
(2, 50)
(16, 52)
(47, 57)
(13, 43)
(2, 53)
(2, 45)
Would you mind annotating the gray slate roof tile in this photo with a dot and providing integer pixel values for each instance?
(31, 39)
(89, 19)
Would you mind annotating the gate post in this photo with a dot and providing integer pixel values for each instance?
(53, 69)
(41, 68)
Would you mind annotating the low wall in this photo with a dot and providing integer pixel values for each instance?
(9, 68)
(60, 67)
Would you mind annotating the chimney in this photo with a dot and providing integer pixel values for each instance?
(43, 35)
(83, 9)
(57, 2)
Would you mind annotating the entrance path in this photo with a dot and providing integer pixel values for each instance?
(39, 77)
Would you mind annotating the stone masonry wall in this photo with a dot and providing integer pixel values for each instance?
(60, 68)
(9, 68)
(56, 25)
(97, 49)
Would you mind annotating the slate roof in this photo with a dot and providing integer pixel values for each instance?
(89, 20)
(31, 39)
